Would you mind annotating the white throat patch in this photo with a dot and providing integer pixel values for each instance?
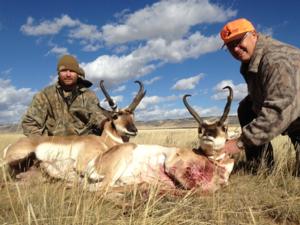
(114, 138)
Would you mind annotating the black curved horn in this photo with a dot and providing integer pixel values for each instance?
(107, 96)
(139, 96)
(227, 106)
(108, 114)
(192, 111)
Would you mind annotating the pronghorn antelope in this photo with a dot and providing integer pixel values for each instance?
(207, 168)
(116, 129)
(212, 134)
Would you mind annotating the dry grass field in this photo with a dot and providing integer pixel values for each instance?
(248, 199)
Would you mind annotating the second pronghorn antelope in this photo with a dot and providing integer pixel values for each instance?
(116, 129)
(212, 134)
(206, 168)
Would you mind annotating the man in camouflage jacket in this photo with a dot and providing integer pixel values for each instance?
(271, 70)
(66, 108)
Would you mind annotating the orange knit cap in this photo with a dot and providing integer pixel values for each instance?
(235, 29)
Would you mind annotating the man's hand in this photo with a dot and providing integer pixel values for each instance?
(233, 146)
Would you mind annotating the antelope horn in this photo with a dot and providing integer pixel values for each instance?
(108, 98)
(106, 113)
(227, 106)
(137, 99)
(191, 110)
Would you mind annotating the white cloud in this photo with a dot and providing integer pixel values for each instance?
(120, 49)
(187, 83)
(53, 79)
(171, 43)
(6, 73)
(151, 81)
(222, 84)
(150, 101)
(117, 69)
(59, 51)
(117, 99)
(91, 47)
(239, 91)
(88, 35)
(144, 24)
(13, 101)
(120, 88)
(86, 32)
(114, 69)
(178, 50)
(265, 30)
(47, 27)
(150, 22)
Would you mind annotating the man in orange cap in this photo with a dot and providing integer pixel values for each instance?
(271, 70)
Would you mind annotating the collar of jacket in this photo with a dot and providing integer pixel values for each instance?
(253, 65)
(69, 99)
(80, 87)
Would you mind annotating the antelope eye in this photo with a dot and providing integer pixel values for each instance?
(115, 117)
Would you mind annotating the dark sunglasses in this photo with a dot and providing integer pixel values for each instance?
(235, 43)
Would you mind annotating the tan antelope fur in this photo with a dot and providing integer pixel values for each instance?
(78, 151)
(207, 168)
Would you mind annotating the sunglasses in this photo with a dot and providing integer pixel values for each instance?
(237, 42)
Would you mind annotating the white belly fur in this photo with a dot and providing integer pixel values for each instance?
(50, 151)
(145, 165)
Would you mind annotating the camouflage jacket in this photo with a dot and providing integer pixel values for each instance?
(52, 114)
(273, 80)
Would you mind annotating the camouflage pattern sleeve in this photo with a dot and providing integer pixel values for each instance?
(33, 122)
(96, 113)
(277, 109)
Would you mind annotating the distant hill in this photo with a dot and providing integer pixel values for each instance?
(154, 124)
(10, 128)
(179, 123)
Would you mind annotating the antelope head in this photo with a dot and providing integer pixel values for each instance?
(123, 119)
(212, 134)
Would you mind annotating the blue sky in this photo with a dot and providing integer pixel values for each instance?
(173, 46)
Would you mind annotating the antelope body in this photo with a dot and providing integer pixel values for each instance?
(171, 167)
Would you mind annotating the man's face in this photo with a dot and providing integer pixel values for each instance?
(243, 47)
(68, 78)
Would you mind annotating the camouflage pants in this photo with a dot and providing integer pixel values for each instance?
(256, 155)
(263, 155)
(295, 138)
